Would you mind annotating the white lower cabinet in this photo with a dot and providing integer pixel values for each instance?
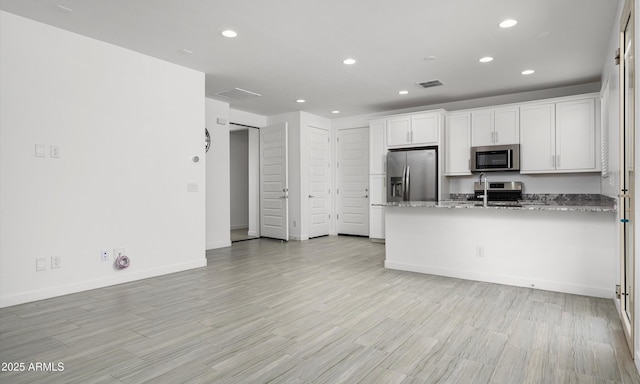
(377, 185)
(376, 223)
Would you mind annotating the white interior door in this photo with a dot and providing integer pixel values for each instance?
(274, 182)
(319, 181)
(353, 182)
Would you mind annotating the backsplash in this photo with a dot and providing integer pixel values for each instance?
(556, 198)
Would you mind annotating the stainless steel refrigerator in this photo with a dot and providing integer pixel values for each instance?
(412, 175)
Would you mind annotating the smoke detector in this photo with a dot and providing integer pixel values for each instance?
(430, 83)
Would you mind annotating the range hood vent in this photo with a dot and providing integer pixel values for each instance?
(430, 83)
(237, 94)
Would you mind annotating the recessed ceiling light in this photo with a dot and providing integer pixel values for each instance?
(335, 112)
(486, 59)
(229, 33)
(429, 58)
(301, 101)
(186, 51)
(349, 61)
(403, 92)
(508, 23)
(528, 72)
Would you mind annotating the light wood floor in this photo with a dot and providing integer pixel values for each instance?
(240, 234)
(319, 311)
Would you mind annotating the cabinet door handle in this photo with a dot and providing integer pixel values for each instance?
(496, 142)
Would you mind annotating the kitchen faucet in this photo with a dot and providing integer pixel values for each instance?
(485, 194)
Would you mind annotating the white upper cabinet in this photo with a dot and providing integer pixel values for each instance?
(425, 128)
(537, 138)
(482, 128)
(377, 147)
(495, 126)
(559, 137)
(399, 131)
(507, 126)
(414, 130)
(576, 136)
(457, 144)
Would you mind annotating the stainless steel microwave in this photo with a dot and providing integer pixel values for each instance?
(495, 158)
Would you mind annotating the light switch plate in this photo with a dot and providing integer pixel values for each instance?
(41, 264)
(40, 150)
(104, 255)
(192, 187)
(56, 262)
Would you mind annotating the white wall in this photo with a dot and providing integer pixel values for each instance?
(247, 118)
(127, 126)
(218, 214)
(239, 178)
(254, 182)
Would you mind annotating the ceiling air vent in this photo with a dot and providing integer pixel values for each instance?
(430, 83)
(237, 94)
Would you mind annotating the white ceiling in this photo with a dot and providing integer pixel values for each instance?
(292, 49)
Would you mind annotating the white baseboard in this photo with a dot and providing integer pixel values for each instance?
(124, 277)
(240, 226)
(506, 280)
(220, 244)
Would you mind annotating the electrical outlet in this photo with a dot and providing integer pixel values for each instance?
(479, 251)
(41, 264)
(192, 187)
(56, 262)
(117, 252)
(104, 255)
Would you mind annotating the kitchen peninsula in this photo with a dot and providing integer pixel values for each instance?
(564, 246)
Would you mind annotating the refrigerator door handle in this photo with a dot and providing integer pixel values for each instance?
(407, 177)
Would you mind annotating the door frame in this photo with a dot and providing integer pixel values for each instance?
(279, 194)
(309, 188)
(626, 204)
(336, 178)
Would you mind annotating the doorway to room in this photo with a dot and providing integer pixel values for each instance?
(240, 157)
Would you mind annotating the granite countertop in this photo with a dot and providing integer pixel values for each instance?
(571, 203)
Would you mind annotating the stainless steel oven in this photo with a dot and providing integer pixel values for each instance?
(495, 158)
